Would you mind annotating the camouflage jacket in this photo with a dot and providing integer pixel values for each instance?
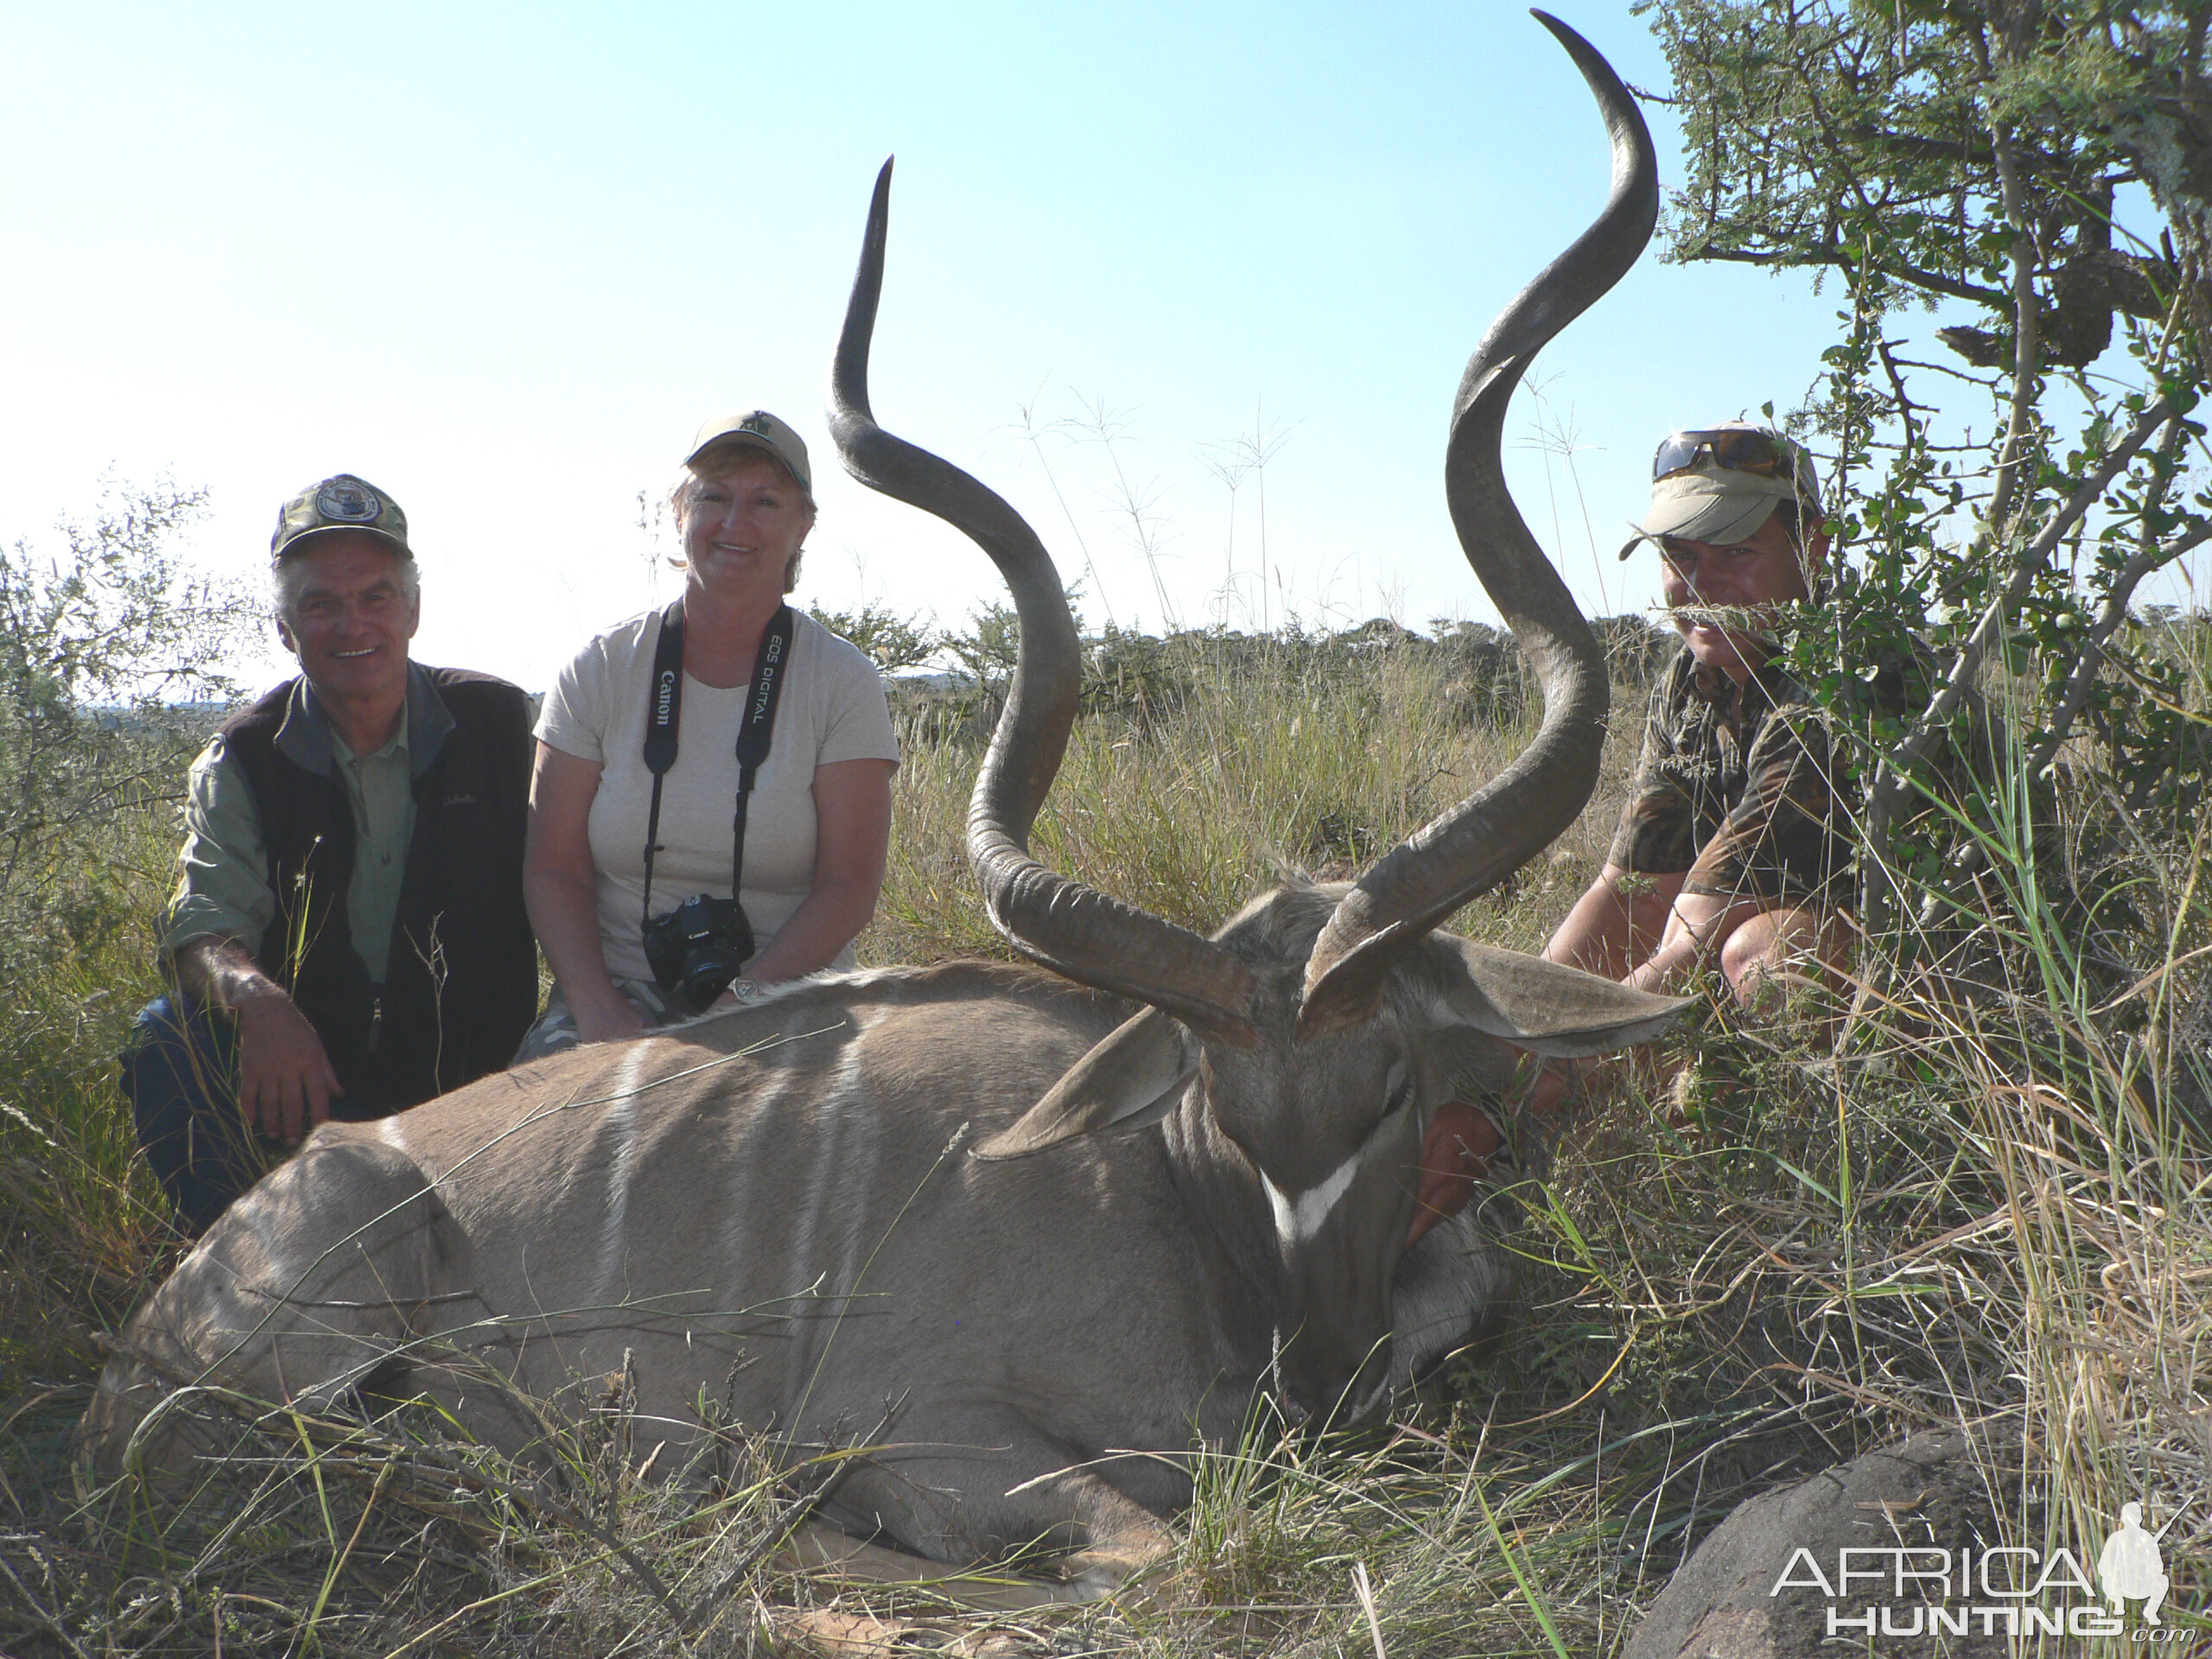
(1736, 788)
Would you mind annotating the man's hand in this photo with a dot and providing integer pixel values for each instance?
(285, 1079)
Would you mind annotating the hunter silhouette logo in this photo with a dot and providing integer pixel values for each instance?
(2130, 1568)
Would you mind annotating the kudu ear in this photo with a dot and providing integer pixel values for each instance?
(1550, 1009)
(1140, 1068)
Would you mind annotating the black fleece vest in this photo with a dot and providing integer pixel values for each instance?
(461, 987)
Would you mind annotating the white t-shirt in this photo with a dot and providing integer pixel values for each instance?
(831, 709)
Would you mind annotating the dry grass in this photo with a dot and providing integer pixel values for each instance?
(1932, 1203)
(1282, 764)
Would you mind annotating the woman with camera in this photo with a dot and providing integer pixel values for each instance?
(711, 805)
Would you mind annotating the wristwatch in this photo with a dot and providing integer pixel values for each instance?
(747, 990)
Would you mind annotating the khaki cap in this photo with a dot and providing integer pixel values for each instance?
(1723, 504)
(342, 502)
(757, 428)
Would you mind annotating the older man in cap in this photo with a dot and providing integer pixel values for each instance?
(348, 936)
(1733, 846)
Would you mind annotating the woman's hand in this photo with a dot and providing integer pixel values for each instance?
(613, 1022)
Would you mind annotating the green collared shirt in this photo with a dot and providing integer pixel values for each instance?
(223, 888)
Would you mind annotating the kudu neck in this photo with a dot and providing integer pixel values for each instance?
(1220, 1190)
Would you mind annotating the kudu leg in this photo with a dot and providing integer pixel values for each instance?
(814, 1547)
(1022, 1491)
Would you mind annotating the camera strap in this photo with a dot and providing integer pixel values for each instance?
(758, 728)
(755, 729)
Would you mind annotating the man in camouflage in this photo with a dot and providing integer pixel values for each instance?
(1734, 846)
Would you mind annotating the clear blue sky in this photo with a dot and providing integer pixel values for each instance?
(501, 260)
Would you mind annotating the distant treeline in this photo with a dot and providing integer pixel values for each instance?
(947, 679)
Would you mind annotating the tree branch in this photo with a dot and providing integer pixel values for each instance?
(1965, 153)
(2026, 328)
(1827, 253)
(2093, 652)
(1889, 785)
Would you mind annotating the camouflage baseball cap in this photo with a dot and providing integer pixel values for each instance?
(1718, 484)
(341, 503)
(756, 428)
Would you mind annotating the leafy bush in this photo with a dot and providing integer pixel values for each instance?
(112, 655)
(891, 640)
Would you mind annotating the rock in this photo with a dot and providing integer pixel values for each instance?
(1932, 1492)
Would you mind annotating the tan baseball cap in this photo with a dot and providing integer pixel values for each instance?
(1718, 484)
(343, 502)
(759, 429)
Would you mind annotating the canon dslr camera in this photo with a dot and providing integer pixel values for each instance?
(699, 947)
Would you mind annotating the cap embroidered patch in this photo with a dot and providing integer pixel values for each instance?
(341, 502)
(347, 501)
(757, 428)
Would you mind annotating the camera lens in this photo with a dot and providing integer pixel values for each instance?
(699, 947)
(708, 972)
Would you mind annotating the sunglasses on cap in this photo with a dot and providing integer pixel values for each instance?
(1737, 448)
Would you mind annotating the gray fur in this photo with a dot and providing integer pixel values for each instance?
(806, 1231)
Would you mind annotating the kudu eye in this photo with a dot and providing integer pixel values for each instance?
(1397, 1087)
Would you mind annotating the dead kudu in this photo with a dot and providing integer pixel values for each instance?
(887, 1204)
